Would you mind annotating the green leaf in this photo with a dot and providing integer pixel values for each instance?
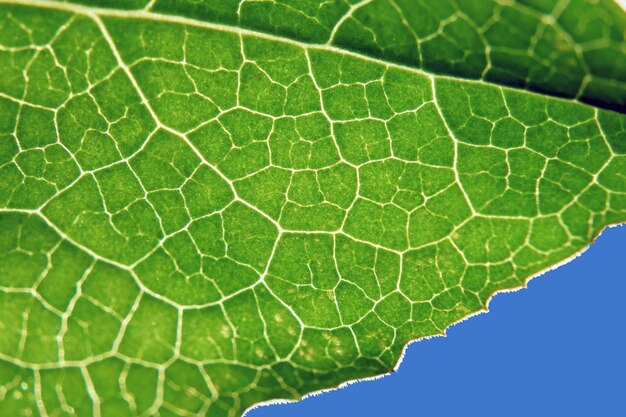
(207, 205)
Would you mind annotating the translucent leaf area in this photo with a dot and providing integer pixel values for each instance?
(196, 217)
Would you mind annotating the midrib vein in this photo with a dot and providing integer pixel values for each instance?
(90, 11)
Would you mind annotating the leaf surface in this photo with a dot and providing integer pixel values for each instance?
(195, 218)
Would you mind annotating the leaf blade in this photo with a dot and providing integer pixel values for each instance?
(458, 214)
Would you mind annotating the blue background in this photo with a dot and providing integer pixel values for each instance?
(557, 348)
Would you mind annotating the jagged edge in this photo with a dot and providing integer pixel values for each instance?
(443, 334)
